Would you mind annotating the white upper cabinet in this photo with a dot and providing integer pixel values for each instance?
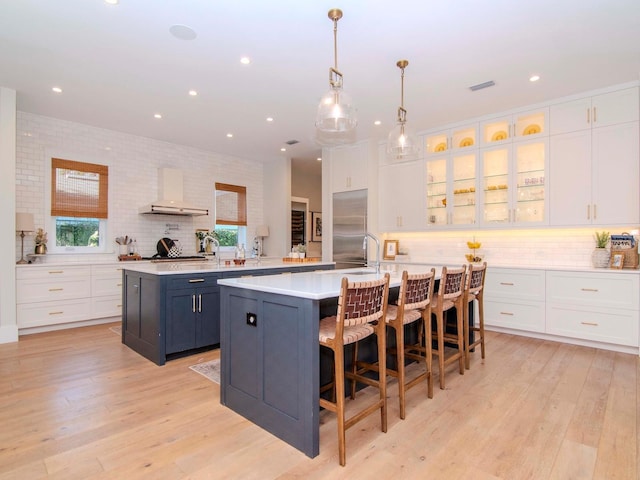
(592, 112)
(452, 189)
(401, 197)
(349, 167)
(510, 128)
(452, 140)
(595, 176)
(514, 184)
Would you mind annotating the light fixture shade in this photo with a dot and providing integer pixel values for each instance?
(262, 231)
(24, 222)
(336, 112)
(402, 144)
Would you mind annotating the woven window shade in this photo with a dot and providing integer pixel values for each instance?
(79, 189)
(231, 204)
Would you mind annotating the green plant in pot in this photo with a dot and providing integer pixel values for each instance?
(600, 256)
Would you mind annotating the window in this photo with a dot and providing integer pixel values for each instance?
(231, 214)
(79, 205)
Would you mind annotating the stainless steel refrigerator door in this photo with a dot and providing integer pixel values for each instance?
(349, 228)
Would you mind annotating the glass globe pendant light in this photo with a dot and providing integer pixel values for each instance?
(402, 144)
(336, 116)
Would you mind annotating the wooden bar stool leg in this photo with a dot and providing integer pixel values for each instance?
(400, 367)
(460, 334)
(440, 334)
(465, 321)
(428, 354)
(481, 324)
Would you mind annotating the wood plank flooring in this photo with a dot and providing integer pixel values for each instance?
(77, 404)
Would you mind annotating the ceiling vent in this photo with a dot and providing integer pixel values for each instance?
(292, 142)
(480, 86)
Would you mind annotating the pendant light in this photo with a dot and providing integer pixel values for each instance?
(336, 118)
(402, 144)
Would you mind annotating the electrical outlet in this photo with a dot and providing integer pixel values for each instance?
(252, 319)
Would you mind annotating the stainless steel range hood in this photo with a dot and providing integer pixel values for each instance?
(171, 194)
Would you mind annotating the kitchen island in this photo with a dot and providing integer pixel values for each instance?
(172, 309)
(270, 355)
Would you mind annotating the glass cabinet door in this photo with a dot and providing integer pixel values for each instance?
(451, 140)
(463, 210)
(437, 192)
(495, 185)
(530, 181)
(513, 127)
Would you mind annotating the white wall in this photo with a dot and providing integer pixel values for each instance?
(8, 325)
(306, 185)
(133, 180)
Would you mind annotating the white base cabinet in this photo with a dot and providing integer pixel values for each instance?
(595, 308)
(48, 296)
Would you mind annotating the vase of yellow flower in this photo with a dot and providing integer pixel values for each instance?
(41, 242)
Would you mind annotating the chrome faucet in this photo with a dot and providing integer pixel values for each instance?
(364, 247)
(216, 242)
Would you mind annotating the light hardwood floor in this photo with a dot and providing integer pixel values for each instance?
(77, 404)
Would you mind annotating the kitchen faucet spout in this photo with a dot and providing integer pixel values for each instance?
(364, 247)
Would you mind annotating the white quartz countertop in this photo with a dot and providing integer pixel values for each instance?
(173, 268)
(316, 285)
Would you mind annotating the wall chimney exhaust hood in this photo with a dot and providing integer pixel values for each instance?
(171, 198)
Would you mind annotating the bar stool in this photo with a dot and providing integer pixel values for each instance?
(414, 304)
(361, 310)
(450, 295)
(474, 290)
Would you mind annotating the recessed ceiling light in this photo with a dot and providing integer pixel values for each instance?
(534, 78)
(229, 135)
(269, 119)
(112, 2)
(377, 122)
(157, 115)
(283, 149)
(319, 159)
(57, 89)
(183, 32)
(193, 93)
(245, 60)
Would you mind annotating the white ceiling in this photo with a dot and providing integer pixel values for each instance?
(119, 65)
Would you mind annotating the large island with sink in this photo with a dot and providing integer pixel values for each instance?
(173, 308)
(271, 361)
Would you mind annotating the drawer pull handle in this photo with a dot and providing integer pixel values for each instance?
(592, 324)
(56, 289)
(508, 284)
(196, 280)
(119, 306)
(56, 313)
(56, 271)
(118, 284)
(589, 289)
(506, 313)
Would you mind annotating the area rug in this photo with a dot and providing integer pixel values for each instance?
(211, 370)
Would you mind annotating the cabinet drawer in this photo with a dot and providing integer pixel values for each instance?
(520, 316)
(193, 281)
(29, 291)
(106, 306)
(506, 283)
(619, 327)
(106, 271)
(106, 286)
(594, 289)
(44, 272)
(51, 313)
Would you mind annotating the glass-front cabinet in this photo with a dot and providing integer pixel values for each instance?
(452, 189)
(520, 126)
(514, 189)
(451, 140)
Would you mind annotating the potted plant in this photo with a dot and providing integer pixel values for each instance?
(301, 250)
(600, 256)
(41, 242)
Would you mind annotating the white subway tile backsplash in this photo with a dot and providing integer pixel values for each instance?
(133, 180)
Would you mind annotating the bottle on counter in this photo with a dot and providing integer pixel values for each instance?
(242, 252)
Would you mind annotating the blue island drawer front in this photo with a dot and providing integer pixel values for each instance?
(193, 280)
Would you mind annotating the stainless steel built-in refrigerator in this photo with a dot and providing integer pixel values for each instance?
(349, 228)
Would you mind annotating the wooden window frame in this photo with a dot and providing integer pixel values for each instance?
(241, 208)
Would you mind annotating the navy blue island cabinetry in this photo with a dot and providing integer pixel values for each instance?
(173, 309)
